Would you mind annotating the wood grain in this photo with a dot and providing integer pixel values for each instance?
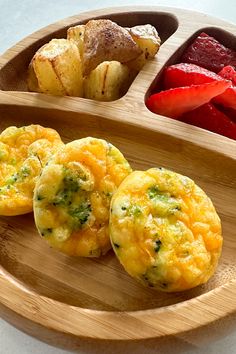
(53, 296)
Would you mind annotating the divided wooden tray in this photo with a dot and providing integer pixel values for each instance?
(50, 295)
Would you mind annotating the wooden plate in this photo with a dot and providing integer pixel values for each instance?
(43, 291)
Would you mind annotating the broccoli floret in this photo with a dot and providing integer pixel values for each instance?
(80, 214)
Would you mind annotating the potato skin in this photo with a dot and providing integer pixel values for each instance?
(148, 41)
(104, 40)
(165, 230)
(72, 196)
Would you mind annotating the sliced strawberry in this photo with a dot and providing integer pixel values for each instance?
(207, 52)
(185, 74)
(210, 118)
(174, 102)
(231, 113)
(228, 73)
(228, 98)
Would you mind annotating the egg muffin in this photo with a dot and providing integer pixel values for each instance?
(165, 230)
(72, 196)
(23, 153)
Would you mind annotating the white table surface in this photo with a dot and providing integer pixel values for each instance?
(17, 20)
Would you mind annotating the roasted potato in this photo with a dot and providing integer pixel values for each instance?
(58, 69)
(104, 40)
(109, 81)
(98, 60)
(76, 34)
(32, 81)
(148, 41)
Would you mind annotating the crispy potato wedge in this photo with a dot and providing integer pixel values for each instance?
(104, 40)
(76, 34)
(149, 42)
(108, 82)
(58, 68)
(32, 81)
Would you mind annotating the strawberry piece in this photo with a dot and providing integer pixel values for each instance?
(231, 113)
(228, 73)
(228, 98)
(185, 74)
(174, 102)
(207, 52)
(210, 118)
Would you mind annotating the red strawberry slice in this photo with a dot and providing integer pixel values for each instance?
(174, 102)
(228, 98)
(207, 52)
(231, 113)
(228, 73)
(210, 118)
(185, 74)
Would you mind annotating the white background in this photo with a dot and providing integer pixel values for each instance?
(17, 20)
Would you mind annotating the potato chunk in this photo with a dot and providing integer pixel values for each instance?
(57, 67)
(76, 34)
(149, 42)
(108, 82)
(32, 81)
(105, 40)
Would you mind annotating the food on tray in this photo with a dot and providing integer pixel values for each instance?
(72, 196)
(145, 36)
(228, 98)
(207, 52)
(161, 225)
(57, 68)
(32, 81)
(23, 153)
(211, 118)
(165, 230)
(228, 73)
(174, 102)
(76, 34)
(184, 74)
(149, 42)
(104, 40)
(68, 66)
(192, 89)
(108, 82)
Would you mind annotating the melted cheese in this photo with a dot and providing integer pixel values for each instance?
(165, 230)
(72, 196)
(23, 152)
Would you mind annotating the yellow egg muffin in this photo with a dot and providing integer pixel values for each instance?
(23, 153)
(72, 196)
(165, 230)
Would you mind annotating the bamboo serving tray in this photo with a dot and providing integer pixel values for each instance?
(55, 297)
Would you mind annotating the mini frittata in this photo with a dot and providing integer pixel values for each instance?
(165, 230)
(23, 153)
(72, 196)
